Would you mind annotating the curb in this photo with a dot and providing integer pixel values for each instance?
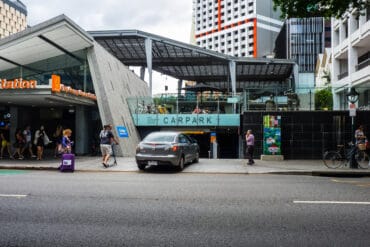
(40, 168)
(318, 173)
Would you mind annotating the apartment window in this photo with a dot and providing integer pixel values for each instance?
(345, 29)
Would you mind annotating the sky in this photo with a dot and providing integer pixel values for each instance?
(168, 18)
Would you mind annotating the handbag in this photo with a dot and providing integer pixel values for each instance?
(46, 139)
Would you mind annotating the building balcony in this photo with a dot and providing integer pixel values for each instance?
(363, 65)
(342, 75)
(361, 37)
(362, 74)
(341, 50)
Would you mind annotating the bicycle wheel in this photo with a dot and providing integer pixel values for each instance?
(362, 159)
(332, 159)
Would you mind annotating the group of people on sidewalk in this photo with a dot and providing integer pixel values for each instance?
(24, 143)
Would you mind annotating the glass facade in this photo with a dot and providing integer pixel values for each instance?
(306, 42)
(73, 72)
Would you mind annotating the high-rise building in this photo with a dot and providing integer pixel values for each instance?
(351, 58)
(302, 40)
(242, 28)
(13, 17)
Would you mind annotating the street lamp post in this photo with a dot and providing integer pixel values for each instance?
(352, 97)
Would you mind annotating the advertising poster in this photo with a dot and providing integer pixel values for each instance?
(271, 135)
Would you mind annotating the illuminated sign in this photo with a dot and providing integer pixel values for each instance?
(54, 83)
(58, 87)
(17, 84)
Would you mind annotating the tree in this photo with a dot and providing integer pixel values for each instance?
(324, 99)
(318, 8)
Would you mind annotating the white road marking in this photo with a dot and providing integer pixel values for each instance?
(12, 195)
(331, 202)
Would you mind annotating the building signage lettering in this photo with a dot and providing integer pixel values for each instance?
(17, 84)
(174, 120)
(57, 87)
(186, 119)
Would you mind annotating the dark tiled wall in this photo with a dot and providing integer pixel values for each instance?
(307, 134)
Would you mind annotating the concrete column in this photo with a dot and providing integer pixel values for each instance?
(142, 73)
(81, 131)
(149, 60)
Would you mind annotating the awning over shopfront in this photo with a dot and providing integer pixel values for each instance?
(52, 38)
(58, 36)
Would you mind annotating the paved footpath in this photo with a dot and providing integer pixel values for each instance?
(222, 166)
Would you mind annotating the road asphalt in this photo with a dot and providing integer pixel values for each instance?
(211, 166)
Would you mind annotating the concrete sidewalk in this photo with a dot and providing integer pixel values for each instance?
(222, 166)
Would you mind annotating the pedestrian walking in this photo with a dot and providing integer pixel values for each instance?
(66, 141)
(57, 139)
(5, 141)
(106, 140)
(27, 135)
(249, 137)
(40, 140)
(19, 144)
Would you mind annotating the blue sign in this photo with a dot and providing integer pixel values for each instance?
(186, 119)
(122, 131)
(213, 133)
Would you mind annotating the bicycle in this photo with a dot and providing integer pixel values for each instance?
(341, 157)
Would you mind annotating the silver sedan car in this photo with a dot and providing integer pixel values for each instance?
(166, 148)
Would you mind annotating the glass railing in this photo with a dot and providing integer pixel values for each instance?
(186, 110)
(186, 104)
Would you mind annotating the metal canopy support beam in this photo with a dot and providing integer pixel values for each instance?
(149, 60)
(232, 69)
(179, 86)
(61, 49)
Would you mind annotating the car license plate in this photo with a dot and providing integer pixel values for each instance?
(152, 163)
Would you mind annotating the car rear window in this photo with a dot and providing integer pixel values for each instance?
(160, 137)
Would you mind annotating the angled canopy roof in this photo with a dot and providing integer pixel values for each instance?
(49, 39)
(189, 62)
(52, 38)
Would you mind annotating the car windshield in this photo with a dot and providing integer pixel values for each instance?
(160, 137)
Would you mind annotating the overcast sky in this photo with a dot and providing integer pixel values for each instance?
(169, 18)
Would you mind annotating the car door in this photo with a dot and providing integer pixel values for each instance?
(185, 143)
